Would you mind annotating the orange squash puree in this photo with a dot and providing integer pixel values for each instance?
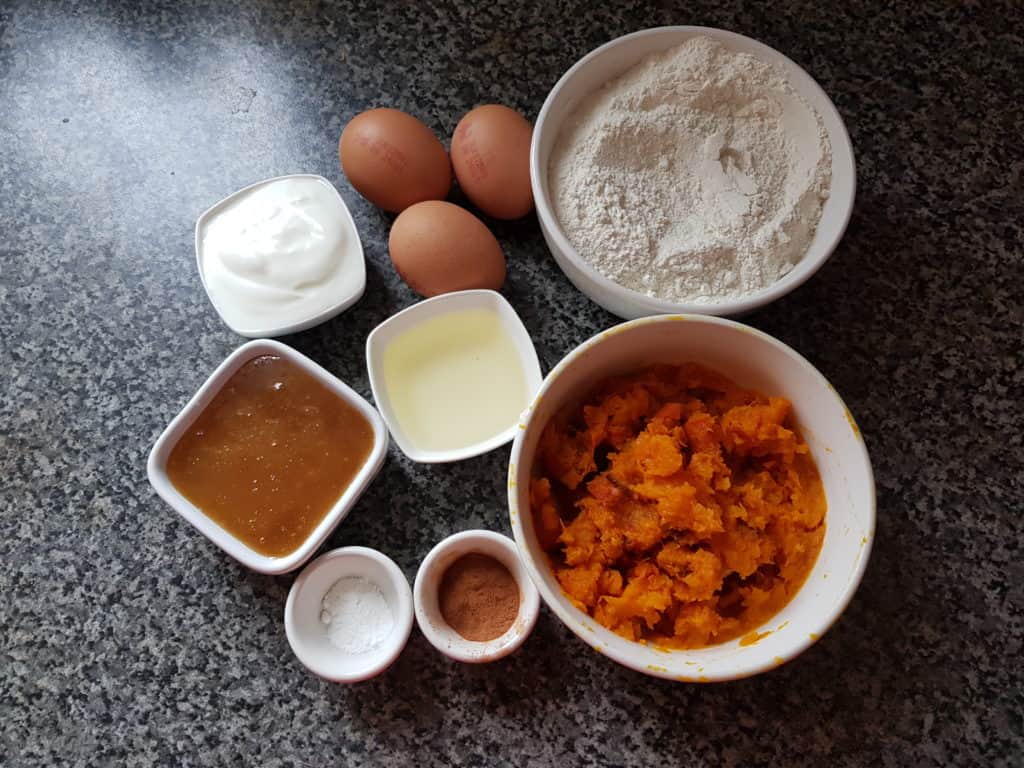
(271, 454)
(676, 507)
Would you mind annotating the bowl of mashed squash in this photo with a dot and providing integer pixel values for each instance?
(692, 498)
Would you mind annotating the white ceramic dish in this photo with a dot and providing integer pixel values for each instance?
(307, 635)
(612, 59)
(355, 277)
(428, 614)
(157, 465)
(408, 318)
(752, 359)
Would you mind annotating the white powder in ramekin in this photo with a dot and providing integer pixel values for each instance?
(356, 615)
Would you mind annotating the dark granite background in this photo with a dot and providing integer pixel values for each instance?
(127, 639)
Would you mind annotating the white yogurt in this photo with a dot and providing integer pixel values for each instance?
(280, 256)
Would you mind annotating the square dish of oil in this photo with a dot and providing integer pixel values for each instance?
(452, 374)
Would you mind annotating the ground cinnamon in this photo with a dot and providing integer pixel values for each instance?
(479, 598)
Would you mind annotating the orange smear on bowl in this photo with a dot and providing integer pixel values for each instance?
(753, 637)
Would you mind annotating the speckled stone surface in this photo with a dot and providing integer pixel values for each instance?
(127, 639)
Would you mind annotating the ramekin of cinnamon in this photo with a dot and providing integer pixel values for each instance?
(473, 598)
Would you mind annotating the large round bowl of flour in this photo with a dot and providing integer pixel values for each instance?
(690, 169)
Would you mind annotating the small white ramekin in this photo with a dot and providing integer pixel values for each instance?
(428, 612)
(307, 635)
(356, 268)
(157, 465)
(383, 334)
(614, 58)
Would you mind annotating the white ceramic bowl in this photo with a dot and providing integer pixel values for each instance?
(612, 59)
(751, 359)
(428, 613)
(157, 465)
(307, 635)
(354, 277)
(383, 334)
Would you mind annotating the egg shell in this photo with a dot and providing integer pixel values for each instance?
(491, 157)
(438, 247)
(394, 160)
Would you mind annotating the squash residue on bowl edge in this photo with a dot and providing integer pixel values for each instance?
(677, 508)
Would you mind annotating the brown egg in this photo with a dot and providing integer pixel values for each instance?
(491, 156)
(394, 160)
(438, 247)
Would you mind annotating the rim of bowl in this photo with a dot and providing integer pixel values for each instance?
(403, 611)
(569, 617)
(428, 581)
(785, 284)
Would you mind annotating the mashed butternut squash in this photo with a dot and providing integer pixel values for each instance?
(676, 507)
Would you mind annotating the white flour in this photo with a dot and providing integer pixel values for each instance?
(697, 175)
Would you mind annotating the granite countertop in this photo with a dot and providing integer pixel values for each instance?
(126, 638)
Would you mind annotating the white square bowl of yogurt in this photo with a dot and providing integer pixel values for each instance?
(280, 256)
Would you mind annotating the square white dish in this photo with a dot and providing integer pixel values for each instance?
(394, 326)
(353, 282)
(158, 457)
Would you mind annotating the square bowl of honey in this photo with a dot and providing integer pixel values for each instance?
(269, 456)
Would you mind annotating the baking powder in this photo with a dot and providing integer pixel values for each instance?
(356, 614)
(698, 175)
